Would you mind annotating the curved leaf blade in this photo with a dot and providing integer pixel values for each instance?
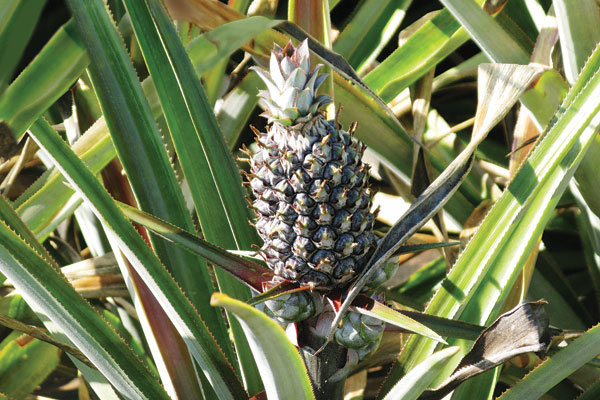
(424, 49)
(213, 178)
(557, 367)
(46, 290)
(250, 272)
(144, 157)
(43, 200)
(432, 200)
(420, 377)
(177, 307)
(54, 70)
(370, 29)
(280, 365)
(494, 256)
(385, 135)
(139, 145)
(491, 38)
(384, 313)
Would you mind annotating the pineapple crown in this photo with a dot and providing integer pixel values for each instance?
(291, 97)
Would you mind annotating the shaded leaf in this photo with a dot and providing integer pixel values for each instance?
(54, 70)
(24, 364)
(164, 288)
(372, 26)
(491, 38)
(421, 376)
(212, 177)
(385, 136)
(247, 271)
(277, 359)
(38, 333)
(521, 330)
(499, 87)
(442, 326)
(414, 248)
(46, 290)
(375, 309)
(132, 126)
(280, 289)
(417, 215)
(557, 367)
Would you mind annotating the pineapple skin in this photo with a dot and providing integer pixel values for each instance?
(310, 186)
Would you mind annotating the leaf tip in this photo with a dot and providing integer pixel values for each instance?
(217, 299)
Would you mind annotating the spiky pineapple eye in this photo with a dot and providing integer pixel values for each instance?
(342, 221)
(344, 244)
(304, 226)
(303, 247)
(325, 237)
(304, 204)
(319, 190)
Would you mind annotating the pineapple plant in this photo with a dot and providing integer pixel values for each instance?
(313, 206)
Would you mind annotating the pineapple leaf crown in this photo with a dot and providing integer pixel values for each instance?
(291, 95)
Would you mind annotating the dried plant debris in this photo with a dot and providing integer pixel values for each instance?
(523, 329)
(8, 143)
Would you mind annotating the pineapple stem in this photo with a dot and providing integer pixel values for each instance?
(323, 366)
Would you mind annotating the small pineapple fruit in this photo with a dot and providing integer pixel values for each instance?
(293, 307)
(360, 332)
(310, 185)
(383, 274)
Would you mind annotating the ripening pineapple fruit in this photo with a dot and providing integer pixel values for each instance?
(310, 185)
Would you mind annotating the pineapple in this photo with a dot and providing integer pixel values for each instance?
(310, 185)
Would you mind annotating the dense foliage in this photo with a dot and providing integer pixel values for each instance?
(480, 124)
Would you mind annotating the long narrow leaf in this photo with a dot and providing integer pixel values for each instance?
(11, 219)
(576, 46)
(393, 317)
(213, 79)
(417, 215)
(494, 256)
(251, 273)
(557, 367)
(369, 30)
(144, 157)
(385, 135)
(46, 290)
(499, 88)
(54, 70)
(579, 31)
(421, 376)
(490, 37)
(43, 200)
(237, 107)
(280, 365)
(207, 164)
(500, 47)
(138, 141)
(17, 22)
(424, 49)
(165, 289)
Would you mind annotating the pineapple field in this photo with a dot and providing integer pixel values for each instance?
(300, 199)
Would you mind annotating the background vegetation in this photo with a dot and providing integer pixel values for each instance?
(121, 100)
